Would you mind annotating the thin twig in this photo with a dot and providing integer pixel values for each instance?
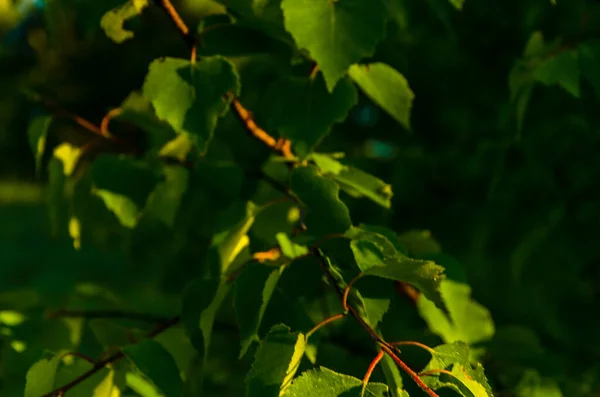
(109, 360)
(182, 28)
(59, 111)
(106, 120)
(325, 322)
(370, 370)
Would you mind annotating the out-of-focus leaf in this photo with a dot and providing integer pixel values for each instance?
(113, 21)
(157, 365)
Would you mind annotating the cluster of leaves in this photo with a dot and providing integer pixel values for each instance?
(204, 209)
(241, 231)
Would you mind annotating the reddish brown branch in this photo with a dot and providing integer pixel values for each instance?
(414, 376)
(370, 370)
(280, 146)
(388, 348)
(59, 111)
(182, 28)
(109, 360)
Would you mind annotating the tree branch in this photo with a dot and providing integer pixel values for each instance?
(281, 146)
(109, 360)
(385, 346)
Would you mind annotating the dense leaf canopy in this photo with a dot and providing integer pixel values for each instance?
(296, 198)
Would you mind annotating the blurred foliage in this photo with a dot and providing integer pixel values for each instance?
(500, 165)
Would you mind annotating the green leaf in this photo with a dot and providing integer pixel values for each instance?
(420, 242)
(200, 302)
(41, 376)
(126, 176)
(562, 69)
(163, 203)
(355, 180)
(253, 290)
(375, 299)
(589, 59)
(467, 386)
(289, 248)
(230, 243)
(124, 185)
(69, 157)
(386, 87)
(111, 386)
(142, 386)
(340, 33)
(122, 206)
(469, 321)
(303, 111)
(467, 378)
(323, 382)
(112, 22)
(190, 96)
(376, 255)
(137, 110)
(179, 346)
(533, 385)
(393, 377)
(75, 367)
(326, 213)
(37, 133)
(275, 362)
(458, 4)
(157, 365)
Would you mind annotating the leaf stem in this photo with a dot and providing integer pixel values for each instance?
(413, 343)
(325, 322)
(347, 291)
(370, 370)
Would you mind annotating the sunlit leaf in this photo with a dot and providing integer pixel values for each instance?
(190, 97)
(113, 21)
(469, 321)
(37, 133)
(387, 87)
(355, 180)
(323, 382)
(340, 33)
(40, 377)
(376, 255)
(275, 362)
